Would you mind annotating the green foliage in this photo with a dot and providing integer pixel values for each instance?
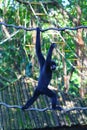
(17, 55)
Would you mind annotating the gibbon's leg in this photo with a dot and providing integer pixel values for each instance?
(53, 97)
(31, 100)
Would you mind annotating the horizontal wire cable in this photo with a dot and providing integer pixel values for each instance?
(44, 109)
(43, 30)
(17, 27)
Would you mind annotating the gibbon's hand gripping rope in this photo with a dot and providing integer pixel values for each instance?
(43, 109)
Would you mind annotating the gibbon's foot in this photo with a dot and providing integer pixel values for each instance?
(59, 108)
(24, 108)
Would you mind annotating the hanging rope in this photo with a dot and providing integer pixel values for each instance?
(12, 35)
(43, 30)
(43, 109)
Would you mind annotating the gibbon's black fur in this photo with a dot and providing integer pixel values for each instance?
(46, 68)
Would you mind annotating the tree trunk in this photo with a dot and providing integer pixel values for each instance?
(79, 49)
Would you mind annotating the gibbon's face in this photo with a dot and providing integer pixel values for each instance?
(53, 65)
